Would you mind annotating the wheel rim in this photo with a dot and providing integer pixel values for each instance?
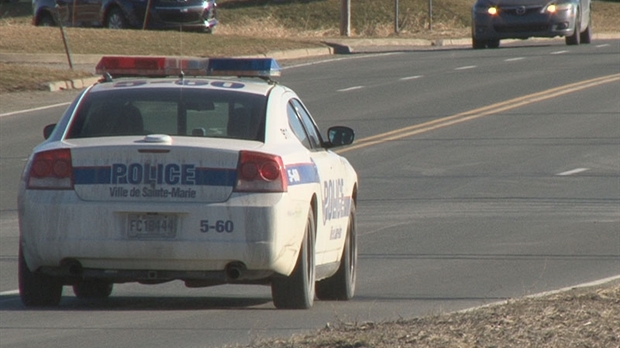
(115, 21)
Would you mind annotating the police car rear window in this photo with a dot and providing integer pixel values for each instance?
(172, 111)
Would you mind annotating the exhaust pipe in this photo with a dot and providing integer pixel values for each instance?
(73, 267)
(234, 270)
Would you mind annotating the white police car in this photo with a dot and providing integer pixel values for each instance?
(209, 180)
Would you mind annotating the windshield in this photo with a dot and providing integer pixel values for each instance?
(173, 111)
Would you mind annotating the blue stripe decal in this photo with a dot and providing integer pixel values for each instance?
(92, 175)
(162, 175)
(302, 173)
(216, 177)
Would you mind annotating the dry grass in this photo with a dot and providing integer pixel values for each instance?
(246, 27)
(575, 319)
(22, 77)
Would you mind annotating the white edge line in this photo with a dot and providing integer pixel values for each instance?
(546, 293)
(34, 109)
(574, 171)
(9, 293)
(350, 89)
(410, 77)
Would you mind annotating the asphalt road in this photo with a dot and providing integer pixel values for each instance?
(484, 175)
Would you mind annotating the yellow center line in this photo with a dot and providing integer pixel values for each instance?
(479, 112)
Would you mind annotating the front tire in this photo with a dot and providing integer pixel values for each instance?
(37, 289)
(478, 44)
(297, 290)
(341, 286)
(586, 36)
(574, 38)
(493, 43)
(116, 19)
(46, 20)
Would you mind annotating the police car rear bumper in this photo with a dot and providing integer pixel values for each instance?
(258, 233)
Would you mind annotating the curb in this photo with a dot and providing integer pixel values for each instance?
(72, 84)
(295, 54)
(333, 46)
(610, 281)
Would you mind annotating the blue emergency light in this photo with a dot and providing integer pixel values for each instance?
(172, 66)
(257, 67)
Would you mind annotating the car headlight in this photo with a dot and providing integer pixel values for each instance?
(484, 9)
(553, 7)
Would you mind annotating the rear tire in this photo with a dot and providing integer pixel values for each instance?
(37, 289)
(297, 290)
(341, 286)
(93, 289)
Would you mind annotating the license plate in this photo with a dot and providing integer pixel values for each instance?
(151, 226)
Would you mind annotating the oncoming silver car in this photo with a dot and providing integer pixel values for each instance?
(494, 20)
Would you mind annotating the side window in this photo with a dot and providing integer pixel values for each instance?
(313, 134)
(295, 124)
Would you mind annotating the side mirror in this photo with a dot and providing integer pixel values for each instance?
(340, 136)
(47, 131)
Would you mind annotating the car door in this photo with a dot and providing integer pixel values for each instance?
(334, 205)
(87, 12)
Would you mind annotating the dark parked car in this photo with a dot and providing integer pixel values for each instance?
(493, 20)
(196, 15)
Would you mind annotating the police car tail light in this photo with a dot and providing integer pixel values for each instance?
(173, 66)
(51, 170)
(259, 172)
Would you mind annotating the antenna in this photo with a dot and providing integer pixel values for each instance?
(107, 77)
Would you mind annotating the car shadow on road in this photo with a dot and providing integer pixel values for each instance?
(142, 303)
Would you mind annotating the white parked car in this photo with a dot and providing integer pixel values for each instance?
(222, 178)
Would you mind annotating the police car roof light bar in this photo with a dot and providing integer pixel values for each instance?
(171, 66)
(131, 66)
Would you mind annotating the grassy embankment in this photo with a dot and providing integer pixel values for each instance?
(247, 27)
